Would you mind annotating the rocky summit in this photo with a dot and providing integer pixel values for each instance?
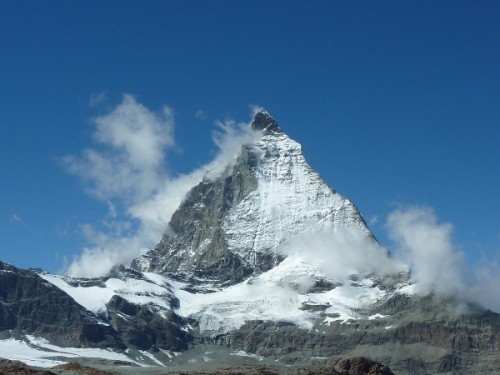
(262, 264)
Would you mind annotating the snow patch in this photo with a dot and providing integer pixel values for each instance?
(152, 358)
(241, 353)
(279, 294)
(153, 291)
(376, 316)
(39, 352)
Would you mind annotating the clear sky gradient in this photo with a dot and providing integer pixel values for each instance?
(394, 102)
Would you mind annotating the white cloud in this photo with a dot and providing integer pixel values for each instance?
(427, 247)
(130, 161)
(98, 99)
(15, 218)
(343, 252)
(112, 209)
(436, 263)
(485, 287)
(106, 251)
(200, 115)
(229, 139)
(126, 169)
(374, 220)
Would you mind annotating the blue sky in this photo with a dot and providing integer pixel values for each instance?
(395, 103)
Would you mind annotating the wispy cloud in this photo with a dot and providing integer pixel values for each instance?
(427, 247)
(17, 219)
(128, 161)
(98, 99)
(126, 169)
(343, 252)
(436, 263)
(200, 115)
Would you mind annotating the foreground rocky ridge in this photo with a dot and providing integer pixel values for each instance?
(30, 305)
(37, 315)
(339, 366)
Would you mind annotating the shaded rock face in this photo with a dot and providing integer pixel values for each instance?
(231, 227)
(199, 249)
(360, 366)
(29, 304)
(142, 328)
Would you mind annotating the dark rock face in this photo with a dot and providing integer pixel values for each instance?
(29, 304)
(360, 366)
(142, 328)
(198, 249)
(263, 121)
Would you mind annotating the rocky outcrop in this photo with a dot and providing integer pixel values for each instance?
(29, 304)
(198, 250)
(141, 327)
(359, 366)
(74, 368)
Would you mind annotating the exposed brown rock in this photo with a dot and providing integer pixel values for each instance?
(360, 366)
(8, 367)
(78, 369)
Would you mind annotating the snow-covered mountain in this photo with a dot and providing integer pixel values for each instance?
(265, 259)
(233, 226)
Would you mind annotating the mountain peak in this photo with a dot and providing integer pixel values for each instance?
(239, 224)
(262, 120)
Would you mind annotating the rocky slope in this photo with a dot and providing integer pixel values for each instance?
(44, 318)
(31, 305)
